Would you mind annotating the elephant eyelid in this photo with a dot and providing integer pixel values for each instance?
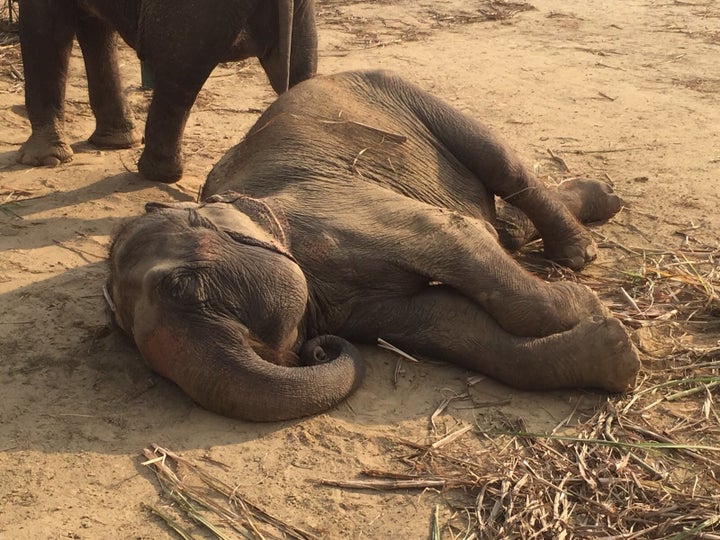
(185, 284)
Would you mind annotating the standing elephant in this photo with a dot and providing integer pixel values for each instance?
(181, 42)
(360, 207)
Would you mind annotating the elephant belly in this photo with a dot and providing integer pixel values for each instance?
(243, 47)
(424, 171)
(322, 137)
(346, 266)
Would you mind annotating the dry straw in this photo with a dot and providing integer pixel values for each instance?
(200, 500)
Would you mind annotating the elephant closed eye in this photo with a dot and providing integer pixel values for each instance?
(185, 285)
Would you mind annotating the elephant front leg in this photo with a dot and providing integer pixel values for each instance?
(464, 253)
(441, 323)
(46, 34)
(178, 68)
(114, 120)
(587, 199)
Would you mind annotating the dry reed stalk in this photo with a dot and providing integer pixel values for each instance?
(178, 478)
(392, 348)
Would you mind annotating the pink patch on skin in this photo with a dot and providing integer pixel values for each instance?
(206, 246)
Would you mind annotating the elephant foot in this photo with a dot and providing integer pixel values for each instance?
(44, 148)
(603, 356)
(118, 138)
(552, 309)
(160, 169)
(574, 251)
(589, 200)
(573, 303)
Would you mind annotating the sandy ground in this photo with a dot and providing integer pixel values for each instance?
(626, 91)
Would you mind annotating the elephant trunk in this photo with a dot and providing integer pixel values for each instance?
(214, 364)
(286, 12)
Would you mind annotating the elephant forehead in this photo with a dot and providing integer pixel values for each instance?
(189, 244)
(226, 217)
(179, 247)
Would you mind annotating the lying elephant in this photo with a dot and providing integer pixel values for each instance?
(360, 206)
(181, 42)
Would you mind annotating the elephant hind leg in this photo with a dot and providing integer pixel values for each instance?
(502, 173)
(114, 120)
(442, 324)
(588, 199)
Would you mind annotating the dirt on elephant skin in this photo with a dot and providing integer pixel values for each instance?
(624, 91)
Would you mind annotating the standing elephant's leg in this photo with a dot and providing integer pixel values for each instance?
(46, 35)
(114, 120)
(440, 323)
(501, 171)
(303, 53)
(169, 110)
(180, 46)
(179, 67)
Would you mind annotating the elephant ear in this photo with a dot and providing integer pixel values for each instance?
(267, 215)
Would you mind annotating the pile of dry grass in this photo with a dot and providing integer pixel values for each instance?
(206, 501)
(607, 477)
(371, 32)
(487, 11)
(657, 287)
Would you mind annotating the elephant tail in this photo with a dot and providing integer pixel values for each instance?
(213, 362)
(286, 14)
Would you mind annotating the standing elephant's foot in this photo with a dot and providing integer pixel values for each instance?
(160, 168)
(45, 147)
(597, 353)
(116, 138)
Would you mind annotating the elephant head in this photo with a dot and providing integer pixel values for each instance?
(215, 302)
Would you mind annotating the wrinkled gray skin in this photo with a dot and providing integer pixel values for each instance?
(180, 42)
(360, 193)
